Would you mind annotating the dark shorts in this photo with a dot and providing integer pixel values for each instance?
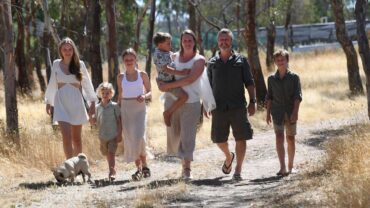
(234, 118)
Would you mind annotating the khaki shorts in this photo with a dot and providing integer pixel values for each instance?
(291, 128)
(108, 146)
(176, 91)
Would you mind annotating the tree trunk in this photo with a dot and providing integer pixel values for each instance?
(113, 69)
(199, 35)
(270, 44)
(37, 60)
(20, 57)
(95, 60)
(149, 39)
(46, 39)
(169, 25)
(64, 19)
(48, 26)
(238, 25)
(39, 73)
(251, 40)
(9, 69)
(363, 44)
(192, 17)
(287, 37)
(138, 25)
(29, 57)
(355, 84)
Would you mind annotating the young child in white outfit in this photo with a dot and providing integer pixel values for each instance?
(163, 61)
(108, 120)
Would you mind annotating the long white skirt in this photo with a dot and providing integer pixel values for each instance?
(133, 116)
(69, 106)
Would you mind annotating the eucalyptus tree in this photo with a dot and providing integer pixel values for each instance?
(9, 68)
(363, 44)
(354, 79)
(251, 41)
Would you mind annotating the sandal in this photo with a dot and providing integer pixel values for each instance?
(227, 168)
(137, 175)
(146, 172)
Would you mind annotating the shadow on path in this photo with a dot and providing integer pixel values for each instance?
(321, 136)
(105, 182)
(267, 180)
(43, 185)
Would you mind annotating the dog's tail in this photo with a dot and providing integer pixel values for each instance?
(82, 156)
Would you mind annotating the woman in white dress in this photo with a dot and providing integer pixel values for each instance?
(133, 89)
(69, 84)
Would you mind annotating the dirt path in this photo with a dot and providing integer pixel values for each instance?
(209, 187)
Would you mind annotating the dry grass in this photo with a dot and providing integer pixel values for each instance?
(348, 163)
(156, 197)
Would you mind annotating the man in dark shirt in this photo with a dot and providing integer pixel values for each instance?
(283, 98)
(229, 73)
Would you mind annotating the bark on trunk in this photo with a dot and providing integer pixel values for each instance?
(251, 40)
(149, 39)
(29, 57)
(363, 44)
(238, 24)
(192, 17)
(287, 37)
(199, 35)
(270, 45)
(355, 84)
(49, 33)
(9, 70)
(113, 69)
(138, 25)
(20, 57)
(95, 60)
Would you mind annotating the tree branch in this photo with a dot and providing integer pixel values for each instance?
(203, 17)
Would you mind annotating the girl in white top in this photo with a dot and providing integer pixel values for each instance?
(133, 89)
(69, 83)
(181, 135)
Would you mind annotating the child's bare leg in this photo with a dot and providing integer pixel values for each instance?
(182, 97)
(111, 164)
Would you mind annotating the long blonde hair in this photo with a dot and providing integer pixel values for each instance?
(74, 66)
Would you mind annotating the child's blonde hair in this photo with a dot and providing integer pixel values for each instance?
(105, 86)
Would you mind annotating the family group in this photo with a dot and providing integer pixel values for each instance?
(191, 86)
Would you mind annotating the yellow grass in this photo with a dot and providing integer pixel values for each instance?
(348, 163)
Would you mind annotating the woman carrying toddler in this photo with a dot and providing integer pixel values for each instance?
(166, 72)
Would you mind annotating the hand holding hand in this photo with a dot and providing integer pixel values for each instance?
(140, 98)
